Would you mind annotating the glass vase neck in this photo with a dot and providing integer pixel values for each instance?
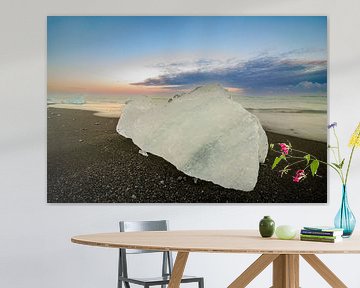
(344, 193)
(344, 200)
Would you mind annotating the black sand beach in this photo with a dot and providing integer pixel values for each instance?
(88, 162)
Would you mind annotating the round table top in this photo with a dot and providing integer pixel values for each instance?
(219, 241)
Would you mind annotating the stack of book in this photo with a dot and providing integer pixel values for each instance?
(321, 234)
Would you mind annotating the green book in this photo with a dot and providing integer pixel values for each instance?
(319, 236)
(338, 239)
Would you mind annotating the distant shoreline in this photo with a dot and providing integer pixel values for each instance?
(282, 110)
(89, 162)
(272, 119)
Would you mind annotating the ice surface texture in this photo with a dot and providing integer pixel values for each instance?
(203, 133)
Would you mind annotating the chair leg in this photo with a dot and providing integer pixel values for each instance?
(164, 266)
(201, 283)
(126, 284)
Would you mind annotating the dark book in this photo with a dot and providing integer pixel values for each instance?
(321, 233)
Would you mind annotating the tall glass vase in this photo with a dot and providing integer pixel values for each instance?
(345, 219)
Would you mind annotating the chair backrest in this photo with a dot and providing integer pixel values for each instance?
(135, 226)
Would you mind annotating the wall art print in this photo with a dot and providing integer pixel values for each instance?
(164, 109)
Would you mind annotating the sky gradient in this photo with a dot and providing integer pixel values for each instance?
(153, 55)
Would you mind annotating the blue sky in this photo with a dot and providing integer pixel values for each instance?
(146, 55)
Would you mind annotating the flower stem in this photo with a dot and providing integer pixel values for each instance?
(348, 167)
(322, 162)
(350, 159)
(339, 161)
(338, 146)
(333, 152)
(292, 164)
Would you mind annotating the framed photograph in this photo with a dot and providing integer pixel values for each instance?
(183, 109)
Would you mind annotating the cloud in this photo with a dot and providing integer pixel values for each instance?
(300, 52)
(311, 85)
(261, 75)
(202, 64)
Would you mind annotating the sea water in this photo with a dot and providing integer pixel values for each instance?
(299, 116)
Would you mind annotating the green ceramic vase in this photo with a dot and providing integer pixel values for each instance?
(267, 227)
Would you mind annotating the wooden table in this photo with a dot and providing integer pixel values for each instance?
(284, 254)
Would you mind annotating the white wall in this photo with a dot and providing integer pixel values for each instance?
(35, 248)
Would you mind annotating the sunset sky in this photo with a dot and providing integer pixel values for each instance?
(154, 55)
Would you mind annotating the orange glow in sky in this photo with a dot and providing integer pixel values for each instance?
(106, 88)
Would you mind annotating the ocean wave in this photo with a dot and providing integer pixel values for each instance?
(285, 110)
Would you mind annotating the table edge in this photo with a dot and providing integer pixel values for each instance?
(203, 250)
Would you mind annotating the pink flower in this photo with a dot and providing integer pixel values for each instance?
(299, 175)
(284, 148)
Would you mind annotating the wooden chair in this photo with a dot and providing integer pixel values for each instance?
(167, 262)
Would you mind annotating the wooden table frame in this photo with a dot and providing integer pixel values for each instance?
(285, 271)
(283, 255)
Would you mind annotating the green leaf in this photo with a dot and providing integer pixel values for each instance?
(307, 157)
(342, 163)
(339, 166)
(271, 146)
(277, 160)
(336, 165)
(314, 166)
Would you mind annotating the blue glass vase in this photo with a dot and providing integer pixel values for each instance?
(345, 219)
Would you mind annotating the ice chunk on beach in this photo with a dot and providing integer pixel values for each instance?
(203, 133)
(74, 100)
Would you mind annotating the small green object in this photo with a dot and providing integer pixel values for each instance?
(314, 167)
(285, 232)
(267, 227)
(277, 161)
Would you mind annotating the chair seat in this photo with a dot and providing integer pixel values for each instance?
(158, 280)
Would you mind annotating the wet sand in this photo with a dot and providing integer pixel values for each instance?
(88, 162)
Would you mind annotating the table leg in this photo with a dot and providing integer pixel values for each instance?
(324, 271)
(253, 270)
(286, 271)
(178, 269)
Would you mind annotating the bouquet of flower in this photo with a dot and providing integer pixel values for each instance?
(310, 164)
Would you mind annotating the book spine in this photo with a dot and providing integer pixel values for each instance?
(318, 239)
(320, 233)
(319, 236)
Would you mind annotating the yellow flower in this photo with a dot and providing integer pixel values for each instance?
(355, 138)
